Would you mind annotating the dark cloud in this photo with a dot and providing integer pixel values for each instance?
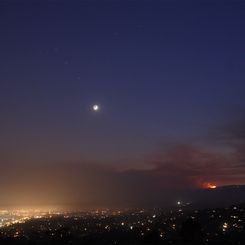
(194, 166)
(180, 168)
(175, 168)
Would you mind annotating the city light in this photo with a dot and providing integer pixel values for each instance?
(106, 221)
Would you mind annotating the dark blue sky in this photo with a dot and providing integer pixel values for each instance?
(162, 71)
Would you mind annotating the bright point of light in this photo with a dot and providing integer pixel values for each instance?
(96, 107)
(178, 202)
(225, 226)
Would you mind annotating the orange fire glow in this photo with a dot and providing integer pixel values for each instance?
(209, 186)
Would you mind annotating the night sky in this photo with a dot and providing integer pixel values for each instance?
(168, 76)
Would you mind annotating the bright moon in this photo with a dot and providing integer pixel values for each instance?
(96, 107)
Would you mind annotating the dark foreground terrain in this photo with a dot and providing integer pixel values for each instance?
(180, 225)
